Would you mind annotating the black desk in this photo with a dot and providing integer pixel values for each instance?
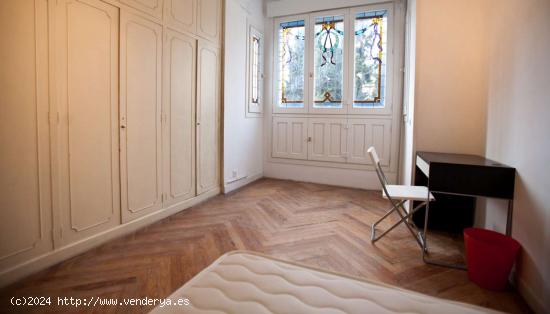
(465, 176)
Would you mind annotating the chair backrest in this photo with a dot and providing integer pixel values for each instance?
(377, 167)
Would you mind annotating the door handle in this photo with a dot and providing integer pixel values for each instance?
(123, 126)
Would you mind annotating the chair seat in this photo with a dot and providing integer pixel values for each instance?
(408, 192)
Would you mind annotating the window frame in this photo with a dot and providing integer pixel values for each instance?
(390, 61)
(254, 109)
(277, 22)
(391, 76)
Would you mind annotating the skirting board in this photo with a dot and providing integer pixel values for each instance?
(536, 303)
(58, 255)
(353, 178)
(234, 185)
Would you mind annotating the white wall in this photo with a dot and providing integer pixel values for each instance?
(518, 133)
(290, 7)
(243, 137)
(451, 76)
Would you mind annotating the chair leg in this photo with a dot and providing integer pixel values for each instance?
(394, 208)
(404, 217)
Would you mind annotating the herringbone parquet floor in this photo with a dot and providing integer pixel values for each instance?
(318, 225)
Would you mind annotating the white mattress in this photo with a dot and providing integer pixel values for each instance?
(246, 282)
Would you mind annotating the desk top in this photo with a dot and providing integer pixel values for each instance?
(459, 159)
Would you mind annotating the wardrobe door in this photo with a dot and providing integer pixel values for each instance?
(179, 111)
(209, 19)
(86, 79)
(140, 121)
(181, 14)
(364, 133)
(289, 137)
(328, 139)
(208, 130)
(25, 204)
(152, 7)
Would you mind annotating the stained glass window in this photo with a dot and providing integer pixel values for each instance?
(291, 64)
(328, 61)
(370, 59)
(255, 75)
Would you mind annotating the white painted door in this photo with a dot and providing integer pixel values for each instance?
(364, 133)
(181, 14)
(328, 139)
(208, 112)
(209, 18)
(25, 197)
(86, 84)
(152, 7)
(140, 117)
(179, 115)
(289, 137)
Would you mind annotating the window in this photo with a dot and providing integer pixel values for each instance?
(328, 63)
(369, 58)
(255, 72)
(334, 61)
(291, 64)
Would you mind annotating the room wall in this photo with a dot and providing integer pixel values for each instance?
(243, 136)
(289, 7)
(482, 88)
(451, 76)
(518, 133)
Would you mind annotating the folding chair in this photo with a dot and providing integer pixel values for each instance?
(398, 195)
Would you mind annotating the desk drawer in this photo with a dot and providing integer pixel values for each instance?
(472, 180)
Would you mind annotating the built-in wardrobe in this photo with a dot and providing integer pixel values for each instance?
(109, 120)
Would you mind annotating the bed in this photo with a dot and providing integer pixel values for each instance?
(248, 282)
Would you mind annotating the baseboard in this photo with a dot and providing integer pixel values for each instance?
(234, 185)
(536, 303)
(51, 258)
(352, 178)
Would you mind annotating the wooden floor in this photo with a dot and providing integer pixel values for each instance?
(318, 225)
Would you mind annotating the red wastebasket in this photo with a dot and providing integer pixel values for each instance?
(490, 257)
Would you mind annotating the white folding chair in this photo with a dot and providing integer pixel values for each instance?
(398, 195)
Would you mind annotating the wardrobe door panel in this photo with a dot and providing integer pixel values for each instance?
(140, 84)
(209, 14)
(86, 49)
(152, 7)
(179, 107)
(289, 137)
(181, 14)
(364, 133)
(25, 203)
(208, 103)
(329, 139)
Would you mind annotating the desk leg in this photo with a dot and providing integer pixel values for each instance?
(509, 217)
(425, 242)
